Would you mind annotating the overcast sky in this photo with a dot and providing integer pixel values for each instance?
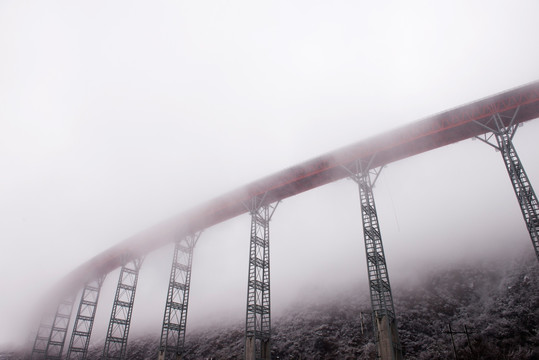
(115, 115)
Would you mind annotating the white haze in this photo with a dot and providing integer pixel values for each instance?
(115, 115)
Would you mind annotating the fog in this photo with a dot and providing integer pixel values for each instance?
(116, 115)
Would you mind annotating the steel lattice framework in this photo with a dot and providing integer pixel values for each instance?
(84, 322)
(122, 309)
(60, 324)
(175, 319)
(258, 316)
(42, 337)
(49, 342)
(383, 310)
(504, 132)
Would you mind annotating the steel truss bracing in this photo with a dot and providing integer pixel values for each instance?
(42, 336)
(120, 318)
(384, 319)
(59, 328)
(51, 334)
(175, 319)
(82, 329)
(258, 317)
(503, 129)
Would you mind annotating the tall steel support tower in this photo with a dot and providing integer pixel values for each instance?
(42, 336)
(175, 318)
(384, 319)
(59, 328)
(82, 329)
(50, 338)
(503, 129)
(120, 318)
(258, 317)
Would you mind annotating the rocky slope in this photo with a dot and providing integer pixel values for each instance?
(498, 305)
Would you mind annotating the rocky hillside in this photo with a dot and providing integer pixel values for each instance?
(497, 305)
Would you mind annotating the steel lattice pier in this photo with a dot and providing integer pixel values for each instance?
(50, 339)
(258, 317)
(82, 329)
(122, 309)
(383, 311)
(175, 319)
(503, 128)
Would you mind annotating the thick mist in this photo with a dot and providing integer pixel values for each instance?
(115, 116)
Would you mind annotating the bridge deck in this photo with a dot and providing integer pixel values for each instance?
(421, 136)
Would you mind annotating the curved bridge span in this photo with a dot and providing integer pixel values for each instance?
(492, 120)
(418, 137)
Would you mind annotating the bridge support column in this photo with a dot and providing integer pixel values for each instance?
(122, 309)
(50, 339)
(258, 316)
(82, 329)
(172, 342)
(59, 329)
(42, 337)
(384, 319)
(503, 129)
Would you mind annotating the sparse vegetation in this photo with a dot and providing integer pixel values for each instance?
(498, 305)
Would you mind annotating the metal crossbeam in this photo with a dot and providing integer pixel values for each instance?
(82, 329)
(122, 309)
(258, 314)
(503, 129)
(384, 319)
(175, 319)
